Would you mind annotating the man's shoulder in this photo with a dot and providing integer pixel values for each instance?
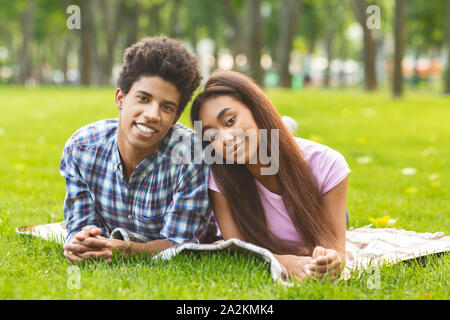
(180, 137)
(94, 134)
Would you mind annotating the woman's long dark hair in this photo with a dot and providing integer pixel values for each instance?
(299, 188)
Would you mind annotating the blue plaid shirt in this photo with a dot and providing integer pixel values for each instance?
(162, 200)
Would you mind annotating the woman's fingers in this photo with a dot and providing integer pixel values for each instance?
(318, 252)
(331, 255)
(314, 269)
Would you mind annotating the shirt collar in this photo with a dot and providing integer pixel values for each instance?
(148, 163)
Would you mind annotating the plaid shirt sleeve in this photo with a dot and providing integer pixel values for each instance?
(188, 215)
(79, 208)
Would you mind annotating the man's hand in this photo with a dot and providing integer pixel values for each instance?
(88, 244)
(295, 265)
(325, 262)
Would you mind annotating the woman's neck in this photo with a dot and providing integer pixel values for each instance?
(268, 181)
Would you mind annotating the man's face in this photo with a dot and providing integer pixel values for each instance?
(147, 112)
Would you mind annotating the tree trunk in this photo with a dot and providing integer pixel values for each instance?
(233, 35)
(254, 41)
(397, 88)
(329, 50)
(173, 20)
(447, 79)
(25, 53)
(132, 17)
(112, 32)
(87, 31)
(370, 78)
(290, 10)
(155, 19)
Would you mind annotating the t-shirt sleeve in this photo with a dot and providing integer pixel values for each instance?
(334, 169)
(212, 183)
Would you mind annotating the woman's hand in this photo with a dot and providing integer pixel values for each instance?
(325, 262)
(295, 265)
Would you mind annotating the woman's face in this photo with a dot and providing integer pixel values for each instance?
(230, 127)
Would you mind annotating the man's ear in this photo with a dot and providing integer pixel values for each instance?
(119, 98)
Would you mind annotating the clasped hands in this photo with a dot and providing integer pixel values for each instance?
(88, 244)
(322, 263)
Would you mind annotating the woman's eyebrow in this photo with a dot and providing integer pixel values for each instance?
(221, 113)
(205, 128)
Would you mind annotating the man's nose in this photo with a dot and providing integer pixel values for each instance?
(153, 112)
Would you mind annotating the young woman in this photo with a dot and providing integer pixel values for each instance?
(297, 212)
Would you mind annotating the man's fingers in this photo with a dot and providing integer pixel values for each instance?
(96, 243)
(88, 231)
(73, 259)
(106, 254)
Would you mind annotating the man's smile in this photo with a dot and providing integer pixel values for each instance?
(145, 129)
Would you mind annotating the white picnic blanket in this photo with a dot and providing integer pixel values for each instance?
(365, 247)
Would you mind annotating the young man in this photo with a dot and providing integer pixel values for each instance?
(120, 173)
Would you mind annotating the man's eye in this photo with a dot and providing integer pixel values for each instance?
(142, 98)
(166, 108)
(230, 121)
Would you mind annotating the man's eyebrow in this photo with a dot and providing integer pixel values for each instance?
(221, 113)
(145, 93)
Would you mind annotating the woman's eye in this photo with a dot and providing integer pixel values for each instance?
(211, 138)
(230, 121)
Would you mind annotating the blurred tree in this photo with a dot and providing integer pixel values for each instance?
(233, 32)
(290, 11)
(112, 22)
(87, 38)
(25, 52)
(255, 40)
(447, 78)
(370, 78)
(399, 39)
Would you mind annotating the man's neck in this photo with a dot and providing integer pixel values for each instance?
(130, 156)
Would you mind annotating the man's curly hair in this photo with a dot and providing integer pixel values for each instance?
(164, 57)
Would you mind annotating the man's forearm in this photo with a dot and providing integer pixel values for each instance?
(153, 247)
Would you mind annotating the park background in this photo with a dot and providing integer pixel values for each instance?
(368, 78)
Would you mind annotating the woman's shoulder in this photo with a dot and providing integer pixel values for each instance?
(328, 165)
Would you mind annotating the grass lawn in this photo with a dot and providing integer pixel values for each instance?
(377, 135)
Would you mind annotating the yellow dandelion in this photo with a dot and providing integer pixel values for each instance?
(382, 222)
(346, 113)
(361, 140)
(435, 183)
(315, 138)
(19, 166)
(411, 190)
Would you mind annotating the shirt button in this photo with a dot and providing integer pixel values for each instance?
(130, 216)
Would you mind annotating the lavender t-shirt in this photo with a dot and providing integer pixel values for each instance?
(328, 166)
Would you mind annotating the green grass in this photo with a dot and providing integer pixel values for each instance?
(395, 134)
